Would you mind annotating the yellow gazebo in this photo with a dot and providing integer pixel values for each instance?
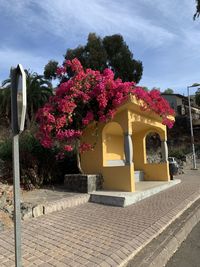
(121, 148)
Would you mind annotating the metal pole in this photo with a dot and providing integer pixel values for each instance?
(16, 173)
(192, 134)
(17, 210)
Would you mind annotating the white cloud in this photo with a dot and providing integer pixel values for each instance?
(105, 18)
(67, 19)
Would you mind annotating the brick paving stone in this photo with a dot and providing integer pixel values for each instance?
(9, 263)
(116, 258)
(91, 264)
(82, 261)
(112, 262)
(59, 264)
(44, 264)
(105, 264)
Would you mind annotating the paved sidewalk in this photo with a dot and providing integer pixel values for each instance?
(97, 235)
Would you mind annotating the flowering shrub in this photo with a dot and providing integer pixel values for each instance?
(89, 96)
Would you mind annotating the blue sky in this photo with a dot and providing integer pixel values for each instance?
(160, 33)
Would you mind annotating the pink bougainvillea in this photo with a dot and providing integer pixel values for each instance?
(89, 96)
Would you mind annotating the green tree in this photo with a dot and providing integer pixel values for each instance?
(197, 97)
(38, 92)
(120, 59)
(196, 15)
(98, 53)
(169, 91)
(5, 101)
(50, 70)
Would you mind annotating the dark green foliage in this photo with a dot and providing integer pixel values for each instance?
(96, 55)
(179, 153)
(6, 150)
(38, 92)
(120, 59)
(50, 70)
(197, 97)
(168, 91)
(38, 165)
(5, 102)
(196, 15)
(112, 52)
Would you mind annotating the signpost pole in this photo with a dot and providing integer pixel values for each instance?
(17, 210)
(18, 111)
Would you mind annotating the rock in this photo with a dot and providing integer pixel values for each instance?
(38, 210)
(26, 210)
(27, 215)
(6, 199)
(9, 209)
(83, 183)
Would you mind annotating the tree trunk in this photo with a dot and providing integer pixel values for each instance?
(78, 158)
(78, 162)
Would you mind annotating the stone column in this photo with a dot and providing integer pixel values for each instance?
(164, 151)
(128, 148)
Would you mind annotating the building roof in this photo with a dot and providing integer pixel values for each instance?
(177, 95)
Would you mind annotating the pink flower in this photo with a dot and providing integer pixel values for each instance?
(68, 134)
(64, 88)
(68, 148)
(74, 64)
(60, 122)
(85, 147)
(88, 118)
(169, 123)
(66, 106)
(60, 71)
(109, 73)
(46, 142)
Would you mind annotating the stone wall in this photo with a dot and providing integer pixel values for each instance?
(6, 206)
(6, 196)
(83, 183)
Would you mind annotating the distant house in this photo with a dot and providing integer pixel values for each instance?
(177, 102)
(181, 106)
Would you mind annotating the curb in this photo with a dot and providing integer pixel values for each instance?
(158, 251)
(57, 205)
(124, 199)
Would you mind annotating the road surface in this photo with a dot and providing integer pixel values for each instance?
(188, 254)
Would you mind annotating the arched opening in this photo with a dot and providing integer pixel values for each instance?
(113, 145)
(153, 148)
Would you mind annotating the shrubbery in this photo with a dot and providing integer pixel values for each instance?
(179, 154)
(38, 165)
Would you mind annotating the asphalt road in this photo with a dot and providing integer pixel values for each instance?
(188, 254)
